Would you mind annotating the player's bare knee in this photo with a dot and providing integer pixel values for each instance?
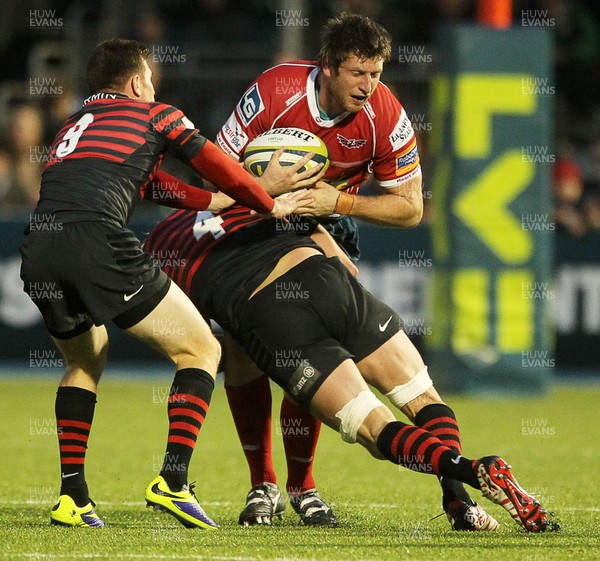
(202, 351)
(415, 405)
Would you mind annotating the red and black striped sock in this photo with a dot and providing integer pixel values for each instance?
(189, 399)
(74, 409)
(419, 450)
(439, 420)
(300, 432)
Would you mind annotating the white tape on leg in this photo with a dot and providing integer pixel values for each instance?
(353, 414)
(417, 385)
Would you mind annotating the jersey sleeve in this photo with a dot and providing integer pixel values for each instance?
(248, 119)
(396, 158)
(181, 137)
(185, 142)
(170, 191)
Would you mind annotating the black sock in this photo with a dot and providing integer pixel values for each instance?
(74, 408)
(439, 420)
(189, 399)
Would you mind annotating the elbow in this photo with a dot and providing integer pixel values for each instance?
(414, 217)
(412, 204)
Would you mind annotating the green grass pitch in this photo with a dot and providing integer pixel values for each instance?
(385, 512)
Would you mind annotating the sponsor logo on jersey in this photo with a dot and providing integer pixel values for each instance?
(234, 133)
(250, 105)
(294, 98)
(402, 131)
(188, 124)
(351, 142)
(408, 159)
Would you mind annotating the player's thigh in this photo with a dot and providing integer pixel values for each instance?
(392, 364)
(342, 386)
(240, 369)
(86, 351)
(176, 328)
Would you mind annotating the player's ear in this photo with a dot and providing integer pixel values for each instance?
(134, 82)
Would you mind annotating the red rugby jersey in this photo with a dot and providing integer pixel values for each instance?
(378, 139)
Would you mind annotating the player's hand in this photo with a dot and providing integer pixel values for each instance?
(289, 203)
(219, 202)
(324, 198)
(278, 179)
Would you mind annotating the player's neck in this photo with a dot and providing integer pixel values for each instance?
(325, 101)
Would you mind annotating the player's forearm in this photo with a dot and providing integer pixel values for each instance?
(401, 209)
(389, 210)
(231, 178)
(167, 190)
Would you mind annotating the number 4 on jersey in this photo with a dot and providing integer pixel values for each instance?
(208, 223)
(71, 137)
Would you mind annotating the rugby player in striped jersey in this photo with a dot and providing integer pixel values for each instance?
(102, 162)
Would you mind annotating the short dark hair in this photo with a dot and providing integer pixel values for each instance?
(113, 62)
(353, 34)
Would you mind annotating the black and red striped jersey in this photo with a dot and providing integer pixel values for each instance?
(217, 258)
(107, 152)
(180, 243)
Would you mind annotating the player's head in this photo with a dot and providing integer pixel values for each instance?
(121, 65)
(353, 50)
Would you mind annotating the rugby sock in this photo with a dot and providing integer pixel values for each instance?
(189, 399)
(439, 420)
(300, 432)
(74, 409)
(419, 450)
(250, 406)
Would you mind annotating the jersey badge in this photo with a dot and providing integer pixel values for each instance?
(250, 105)
(188, 124)
(351, 142)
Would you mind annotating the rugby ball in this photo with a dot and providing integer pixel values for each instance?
(297, 143)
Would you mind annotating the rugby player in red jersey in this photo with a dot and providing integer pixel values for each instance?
(343, 339)
(339, 98)
(102, 162)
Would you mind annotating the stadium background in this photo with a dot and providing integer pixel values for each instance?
(206, 52)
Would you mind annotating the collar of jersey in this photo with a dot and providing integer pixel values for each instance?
(313, 105)
(321, 112)
(104, 95)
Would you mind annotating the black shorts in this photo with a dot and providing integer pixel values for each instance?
(301, 327)
(89, 273)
